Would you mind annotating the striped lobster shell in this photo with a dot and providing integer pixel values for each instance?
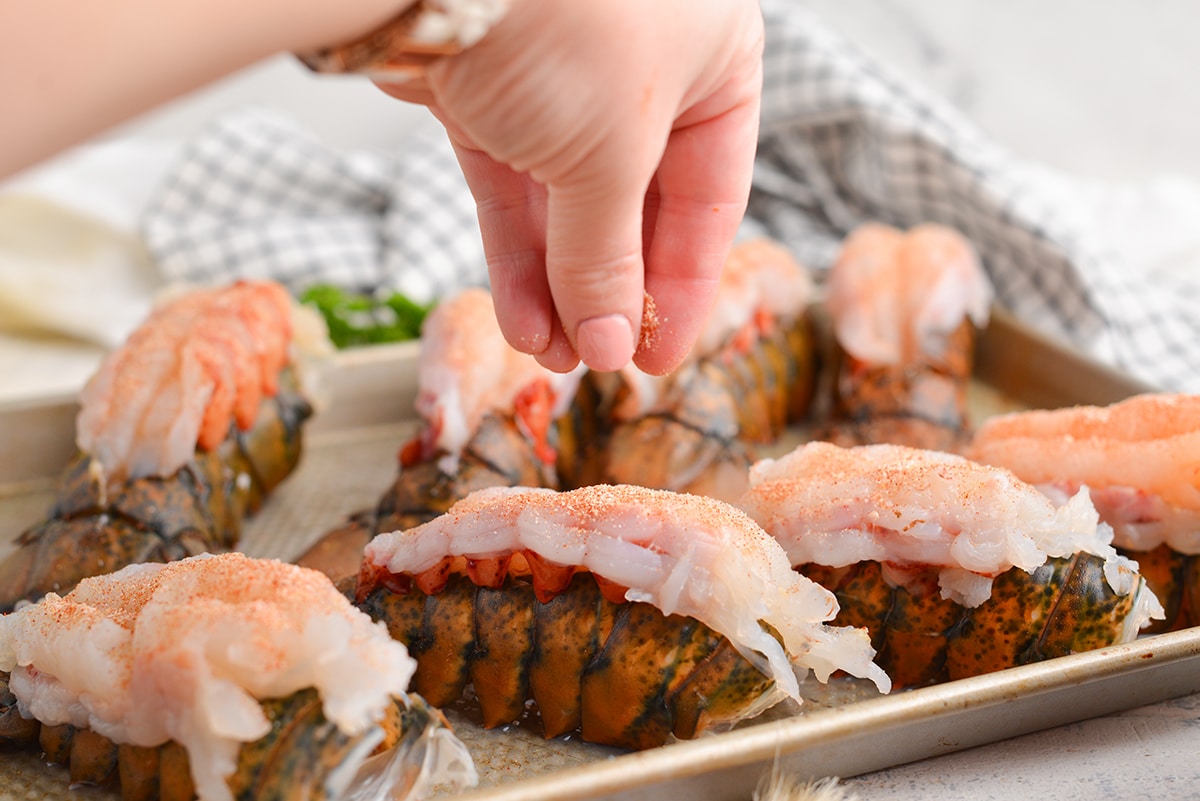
(634, 614)
(1063, 607)
(702, 434)
(621, 672)
(955, 568)
(92, 529)
(304, 756)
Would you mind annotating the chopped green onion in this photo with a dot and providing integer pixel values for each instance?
(356, 318)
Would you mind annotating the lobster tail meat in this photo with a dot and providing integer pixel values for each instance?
(897, 297)
(899, 505)
(608, 589)
(762, 285)
(925, 547)
(905, 308)
(197, 364)
(185, 430)
(1138, 460)
(219, 675)
(466, 371)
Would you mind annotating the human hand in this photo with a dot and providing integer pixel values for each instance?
(609, 147)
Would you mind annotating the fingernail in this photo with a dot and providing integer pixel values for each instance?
(533, 345)
(605, 343)
(559, 357)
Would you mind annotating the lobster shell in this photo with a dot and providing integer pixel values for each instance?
(624, 674)
(91, 530)
(1063, 607)
(294, 760)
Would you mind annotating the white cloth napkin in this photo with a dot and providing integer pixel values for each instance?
(71, 260)
(844, 140)
(75, 278)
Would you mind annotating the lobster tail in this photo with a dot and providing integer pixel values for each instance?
(701, 436)
(954, 568)
(221, 677)
(1137, 458)
(625, 674)
(634, 614)
(304, 755)
(93, 528)
(1065, 606)
(906, 308)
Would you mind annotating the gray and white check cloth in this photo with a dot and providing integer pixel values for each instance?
(843, 141)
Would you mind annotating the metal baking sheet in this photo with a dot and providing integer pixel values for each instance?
(841, 730)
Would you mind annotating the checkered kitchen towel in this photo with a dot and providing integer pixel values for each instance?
(844, 140)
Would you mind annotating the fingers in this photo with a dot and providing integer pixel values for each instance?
(576, 295)
(586, 279)
(613, 242)
(559, 355)
(594, 262)
(702, 185)
(594, 151)
(512, 214)
(561, 166)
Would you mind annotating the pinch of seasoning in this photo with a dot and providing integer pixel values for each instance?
(650, 322)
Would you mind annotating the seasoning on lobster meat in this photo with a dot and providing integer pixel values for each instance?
(182, 433)
(487, 419)
(956, 568)
(1139, 460)
(492, 416)
(906, 307)
(630, 613)
(752, 372)
(219, 677)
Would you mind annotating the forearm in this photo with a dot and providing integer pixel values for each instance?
(72, 68)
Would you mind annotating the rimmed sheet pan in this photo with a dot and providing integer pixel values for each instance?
(842, 731)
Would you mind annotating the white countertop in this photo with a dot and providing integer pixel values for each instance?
(1149, 752)
(1102, 89)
